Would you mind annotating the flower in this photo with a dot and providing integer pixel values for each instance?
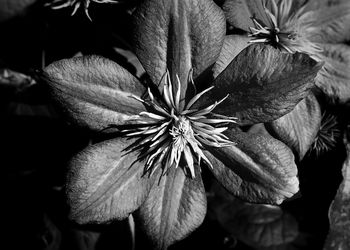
(167, 131)
(317, 28)
(75, 4)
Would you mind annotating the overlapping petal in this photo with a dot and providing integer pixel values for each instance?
(258, 169)
(334, 77)
(94, 92)
(178, 35)
(174, 208)
(104, 183)
(298, 128)
(330, 23)
(264, 84)
(233, 45)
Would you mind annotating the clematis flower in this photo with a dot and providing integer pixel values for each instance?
(318, 28)
(76, 4)
(180, 124)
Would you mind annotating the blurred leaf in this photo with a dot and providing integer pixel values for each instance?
(14, 79)
(339, 213)
(85, 240)
(256, 225)
(51, 236)
(11, 8)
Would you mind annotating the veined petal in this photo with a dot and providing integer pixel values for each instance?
(104, 183)
(174, 208)
(263, 84)
(178, 35)
(330, 23)
(258, 169)
(334, 77)
(298, 128)
(94, 92)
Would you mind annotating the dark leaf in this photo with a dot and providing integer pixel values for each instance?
(12, 8)
(256, 225)
(14, 79)
(339, 213)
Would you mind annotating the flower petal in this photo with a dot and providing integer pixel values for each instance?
(334, 77)
(330, 24)
(178, 35)
(174, 208)
(298, 128)
(258, 169)
(105, 184)
(94, 92)
(239, 13)
(233, 45)
(264, 83)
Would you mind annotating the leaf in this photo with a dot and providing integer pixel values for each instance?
(334, 77)
(12, 8)
(178, 35)
(330, 24)
(339, 212)
(174, 208)
(257, 225)
(105, 184)
(15, 80)
(298, 128)
(233, 45)
(239, 13)
(94, 92)
(264, 84)
(257, 169)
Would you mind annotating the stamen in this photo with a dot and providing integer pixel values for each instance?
(172, 134)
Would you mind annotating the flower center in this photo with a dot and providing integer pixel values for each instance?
(170, 136)
(273, 36)
(181, 129)
(287, 29)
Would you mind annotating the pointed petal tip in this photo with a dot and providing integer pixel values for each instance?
(292, 187)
